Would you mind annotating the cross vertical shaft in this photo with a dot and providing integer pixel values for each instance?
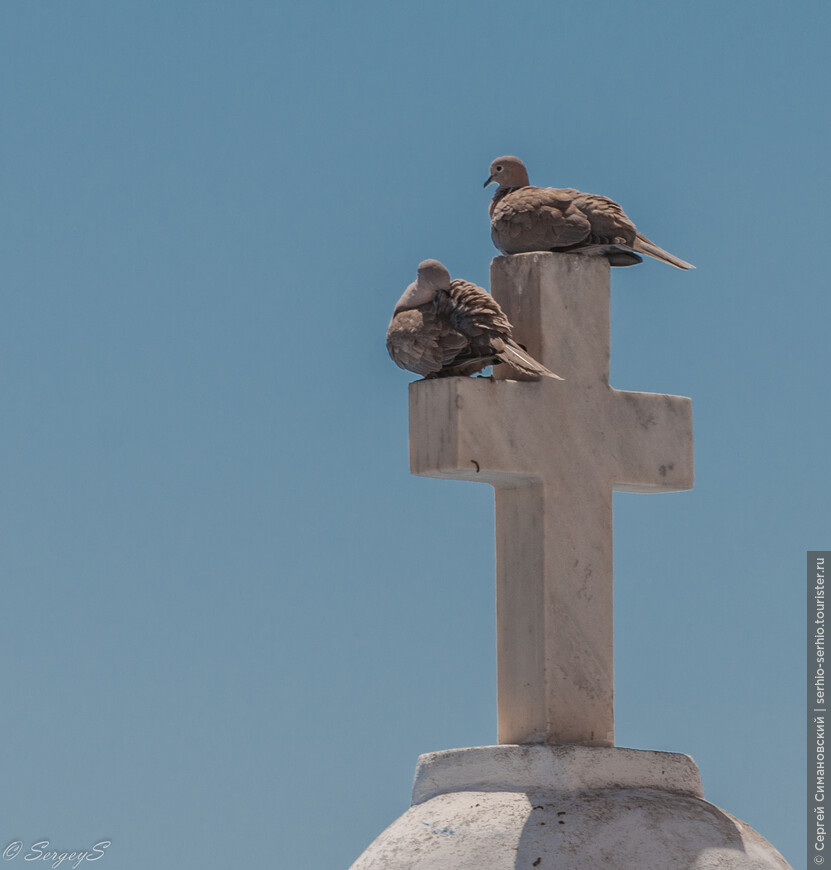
(563, 691)
(554, 451)
(566, 592)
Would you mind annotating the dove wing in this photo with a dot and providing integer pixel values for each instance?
(609, 223)
(472, 311)
(477, 315)
(537, 219)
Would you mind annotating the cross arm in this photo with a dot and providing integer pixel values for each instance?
(473, 429)
(652, 442)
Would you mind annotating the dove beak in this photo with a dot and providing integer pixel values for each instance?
(490, 179)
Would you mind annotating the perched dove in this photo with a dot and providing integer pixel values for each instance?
(525, 218)
(442, 327)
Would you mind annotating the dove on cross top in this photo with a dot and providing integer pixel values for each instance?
(526, 218)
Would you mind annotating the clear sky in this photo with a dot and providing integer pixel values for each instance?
(233, 619)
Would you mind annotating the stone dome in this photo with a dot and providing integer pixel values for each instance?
(564, 808)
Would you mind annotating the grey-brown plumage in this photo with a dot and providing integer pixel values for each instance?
(526, 218)
(441, 328)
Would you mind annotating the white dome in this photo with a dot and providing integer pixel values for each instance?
(564, 808)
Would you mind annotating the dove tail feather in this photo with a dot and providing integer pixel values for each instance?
(644, 246)
(517, 358)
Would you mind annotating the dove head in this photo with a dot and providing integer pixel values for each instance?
(432, 276)
(508, 172)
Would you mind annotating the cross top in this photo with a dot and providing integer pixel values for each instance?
(554, 452)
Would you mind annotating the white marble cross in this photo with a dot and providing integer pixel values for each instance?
(554, 451)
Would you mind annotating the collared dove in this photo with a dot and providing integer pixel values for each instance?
(441, 328)
(525, 218)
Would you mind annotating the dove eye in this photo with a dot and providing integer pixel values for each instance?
(499, 169)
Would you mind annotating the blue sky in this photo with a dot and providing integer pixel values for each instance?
(232, 618)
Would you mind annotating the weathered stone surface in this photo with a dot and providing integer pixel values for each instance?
(552, 768)
(564, 808)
